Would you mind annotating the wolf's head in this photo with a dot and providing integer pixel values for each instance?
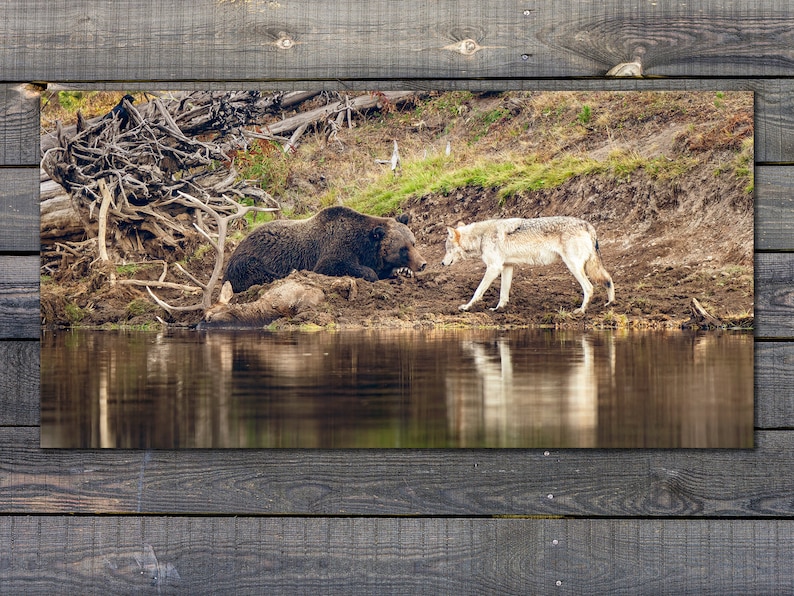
(455, 251)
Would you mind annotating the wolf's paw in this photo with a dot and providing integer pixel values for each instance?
(402, 271)
(464, 307)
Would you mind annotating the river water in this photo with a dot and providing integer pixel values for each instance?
(396, 389)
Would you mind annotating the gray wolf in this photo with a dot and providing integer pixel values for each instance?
(336, 241)
(503, 243)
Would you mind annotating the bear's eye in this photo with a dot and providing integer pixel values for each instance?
(403, 252)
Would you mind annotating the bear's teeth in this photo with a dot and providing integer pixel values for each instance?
(406, 271)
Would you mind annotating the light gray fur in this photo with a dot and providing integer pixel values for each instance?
(503, 243)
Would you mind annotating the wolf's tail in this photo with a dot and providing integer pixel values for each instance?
(594, 268)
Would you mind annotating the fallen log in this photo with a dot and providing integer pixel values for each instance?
(60, 221)
(702, 317)
(321, 114)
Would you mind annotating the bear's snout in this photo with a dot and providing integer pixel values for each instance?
(417, 262)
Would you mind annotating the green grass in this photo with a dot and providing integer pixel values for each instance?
(139, 307)
(444, 175)
(741, 166)
(486, 120)
(74, 313)
(129, 269)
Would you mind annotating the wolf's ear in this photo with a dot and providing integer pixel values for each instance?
(453, 235)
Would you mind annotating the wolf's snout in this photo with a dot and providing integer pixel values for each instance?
(422, 266)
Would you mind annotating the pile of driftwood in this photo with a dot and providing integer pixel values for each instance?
(144, 183)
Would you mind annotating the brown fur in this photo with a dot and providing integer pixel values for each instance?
(336, 241)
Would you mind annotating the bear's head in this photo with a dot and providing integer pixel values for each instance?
(397, 247)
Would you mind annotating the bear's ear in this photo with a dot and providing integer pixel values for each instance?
(378, 233)
(403, 218)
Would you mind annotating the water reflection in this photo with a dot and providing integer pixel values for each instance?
(472, 388)
(540, 394)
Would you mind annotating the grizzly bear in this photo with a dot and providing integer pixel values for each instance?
(336, 241)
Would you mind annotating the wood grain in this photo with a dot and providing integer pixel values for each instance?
(262, 40)
(774, 295)
(582, 483)
(19, 207)
(19, 383)
(196, 555)
(19, 125)
(774, 385)
(774, 121)
(19, 297)
(774, 208)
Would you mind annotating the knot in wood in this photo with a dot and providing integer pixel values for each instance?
(467, 47)
(284, 43)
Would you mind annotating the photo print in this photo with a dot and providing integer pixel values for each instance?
(397, 269)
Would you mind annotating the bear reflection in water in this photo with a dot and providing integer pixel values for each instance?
(336, 241)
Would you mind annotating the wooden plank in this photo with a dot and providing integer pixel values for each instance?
(187, 555)
(774, 121)
(774, 385)
(774, 207)
(19, 125)
(19, 297)
(604, 483)
(477, 85)
(19, 186)
(19, 209)
(261, 40)
(774, 295)
(19, 383)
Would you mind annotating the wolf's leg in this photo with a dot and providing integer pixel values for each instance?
(491, 273)
(504, 290)
(577, 269)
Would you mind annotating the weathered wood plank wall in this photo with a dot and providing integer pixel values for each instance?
(636, 521)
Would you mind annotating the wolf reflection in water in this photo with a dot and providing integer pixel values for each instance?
(513, 405)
